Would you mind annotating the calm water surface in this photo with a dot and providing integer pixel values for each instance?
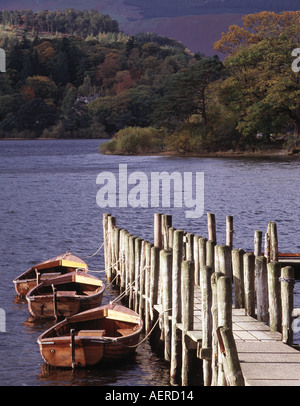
(48, 206)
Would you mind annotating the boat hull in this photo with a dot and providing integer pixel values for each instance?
(88, 352)
(114, 336)
(62, 264)
(43, 307)
(65, 296)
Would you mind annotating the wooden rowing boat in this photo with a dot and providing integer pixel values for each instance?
(51, 268)
(65, 295)
(107, 333)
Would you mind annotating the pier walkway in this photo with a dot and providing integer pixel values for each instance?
(265, 360)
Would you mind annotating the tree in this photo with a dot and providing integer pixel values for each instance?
(186, 92)
(261, 84)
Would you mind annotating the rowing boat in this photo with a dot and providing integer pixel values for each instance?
(51, 268)
(65, 295)
(105, 334)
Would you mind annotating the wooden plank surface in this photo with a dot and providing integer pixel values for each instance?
(265, 359)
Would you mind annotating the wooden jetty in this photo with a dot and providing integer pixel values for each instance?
(219, 314)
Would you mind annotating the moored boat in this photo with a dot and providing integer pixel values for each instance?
(51, 268)
(107, 333)
(65, 295)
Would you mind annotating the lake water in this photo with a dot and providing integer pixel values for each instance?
(48, 206)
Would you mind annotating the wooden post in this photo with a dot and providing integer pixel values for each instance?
(249, 283)
(206, 350)
(257, 243)
(229, 231)
(214, 312)
(123, 260)
(111, 222)
(166, 223)
(105, 238)
(158, 230)
(238, 277)
(142, 278)
(189, 247)
(127, 267)
(287, 299)
(273, 241)
(131, 269)
(261, 277)
(116, 242)
(187, 287)
(137, 262)
(274, 293)
(229, 355)
(202, 252)
(224, 298)
(196, 260)
(267, 243)
(211, 225)
(154, 277)
(176, 304)
(166, 273)
(210, 254)
(147, 287)
(224, 254)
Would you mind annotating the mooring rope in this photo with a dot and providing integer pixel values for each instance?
(148, 334)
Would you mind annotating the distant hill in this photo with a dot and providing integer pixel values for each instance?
(178, 8)
(196, 23)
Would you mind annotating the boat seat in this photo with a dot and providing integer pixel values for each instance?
(49, 275)
(91, 333)
(124, 331)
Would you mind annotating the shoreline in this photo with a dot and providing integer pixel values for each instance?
(268, 153)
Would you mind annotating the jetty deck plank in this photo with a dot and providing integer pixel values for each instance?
(265, 360)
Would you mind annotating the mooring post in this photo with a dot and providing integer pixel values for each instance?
(111, 222)
(176, 304)
(142, 278)
(229, 231)
(105, 238)
(229, 355)
(249, 283)
(166, 273)
(257, 243)
(261, 278)
(137, 261)
(147, 287)
(116, 241)
(187, 289)
(123, 233)
(224, 259)
(206, 350)
(202, 252)
(214, 311)
(158, 230)
(211, 225)
(238, 276)
(154, 278)
(131, 269)
(190, 247)
(210, 254)
(196, 259)
(273, 241)
(166, 223)
(287, 298)
(274, 294)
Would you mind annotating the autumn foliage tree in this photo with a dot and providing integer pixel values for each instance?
(261, 86)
